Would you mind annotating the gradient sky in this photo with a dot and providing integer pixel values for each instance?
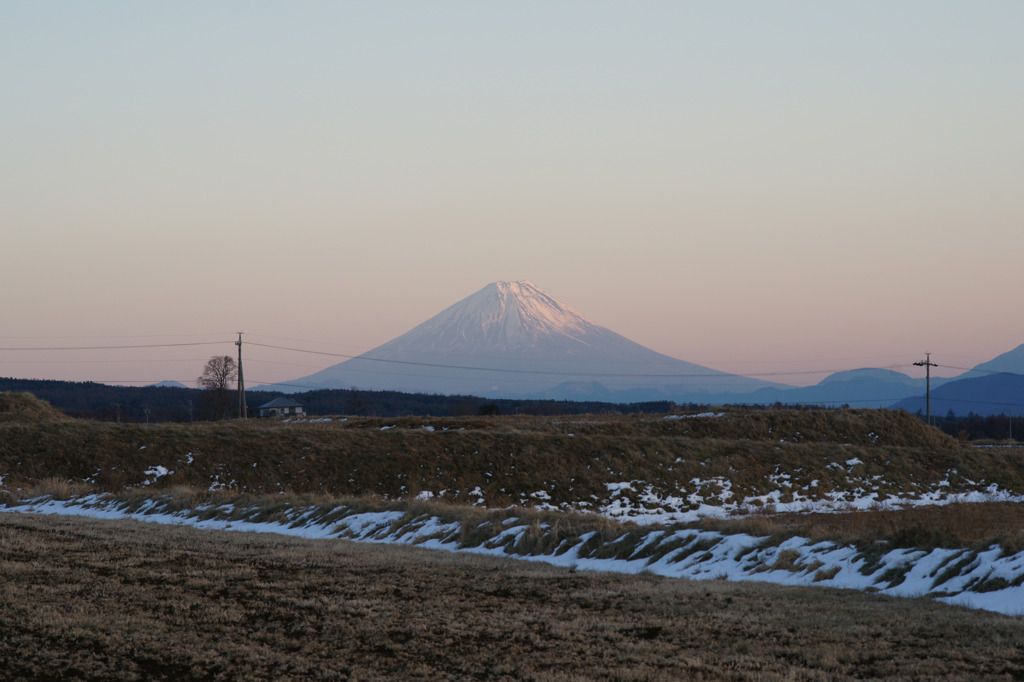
(759, 187)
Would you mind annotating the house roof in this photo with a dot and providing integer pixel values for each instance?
(280, 402)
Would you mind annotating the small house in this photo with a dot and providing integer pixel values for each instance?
(279, 407)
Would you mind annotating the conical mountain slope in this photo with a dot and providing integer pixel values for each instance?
(510, 339)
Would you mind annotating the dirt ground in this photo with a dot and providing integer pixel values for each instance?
(85, 599)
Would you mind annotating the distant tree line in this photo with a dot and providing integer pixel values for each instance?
(102, 402)
(980, 427)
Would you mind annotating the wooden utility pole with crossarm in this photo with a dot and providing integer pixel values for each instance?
(242, 407)
(926, 363)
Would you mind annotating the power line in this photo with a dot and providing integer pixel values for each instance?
(322, 343)
(980, 371)
(484, 368)
(119, 362)
(723, 375)
(349, 356)
(109, 336)
(147, 345)
(278, 362)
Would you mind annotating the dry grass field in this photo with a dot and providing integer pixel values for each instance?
(86, 599)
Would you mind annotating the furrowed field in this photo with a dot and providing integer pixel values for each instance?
(101, 599)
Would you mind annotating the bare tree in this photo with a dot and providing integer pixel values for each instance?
(217, 376)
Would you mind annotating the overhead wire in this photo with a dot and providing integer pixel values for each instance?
(122, 347)
(980, 371)
(550, 372)
(468, 367)
(364, 357)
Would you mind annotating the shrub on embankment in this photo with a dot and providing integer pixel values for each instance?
(25, 408)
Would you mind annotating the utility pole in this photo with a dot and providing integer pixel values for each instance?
(117, 410)
(189, 411)
(927, 364)
(242, 408)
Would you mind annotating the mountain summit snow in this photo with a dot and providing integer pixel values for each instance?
(503, 317)
(510, 339)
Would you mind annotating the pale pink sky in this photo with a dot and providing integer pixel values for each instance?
(756, 187)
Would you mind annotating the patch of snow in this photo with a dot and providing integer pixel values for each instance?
(702, 415)
(156, 472)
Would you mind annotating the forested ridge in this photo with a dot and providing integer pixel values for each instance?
(103, 402)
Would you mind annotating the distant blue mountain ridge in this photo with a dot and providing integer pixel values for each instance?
(866, 387)
(1011, 362)
(990, 388)
(990, 394)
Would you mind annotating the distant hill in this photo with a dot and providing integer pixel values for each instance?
(1010, 361)
(990, 388)
(989, 394)
(868, 387)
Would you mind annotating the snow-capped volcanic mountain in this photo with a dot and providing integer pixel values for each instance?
(510, 339)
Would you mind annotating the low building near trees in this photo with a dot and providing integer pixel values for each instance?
(279, 407)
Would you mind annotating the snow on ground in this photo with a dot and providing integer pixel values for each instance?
(702, 415)
(990, 579)
(156, 472)
(713, 498)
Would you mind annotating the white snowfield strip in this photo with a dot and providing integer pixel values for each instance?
(991, 579)
(713, 498)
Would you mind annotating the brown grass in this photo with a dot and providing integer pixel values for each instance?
(271, 466)
(975, 525)
(86, 599)
(509, 459)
